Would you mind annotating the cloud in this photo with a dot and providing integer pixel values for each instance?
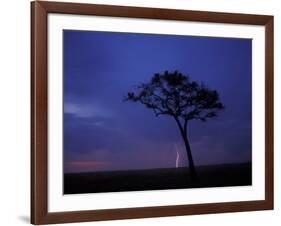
(86, 110)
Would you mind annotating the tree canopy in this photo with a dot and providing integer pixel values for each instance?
(174, 94)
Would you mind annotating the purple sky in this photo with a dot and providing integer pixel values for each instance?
(102, 132)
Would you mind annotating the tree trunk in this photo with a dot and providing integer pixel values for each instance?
(183, 132)
(192, 169)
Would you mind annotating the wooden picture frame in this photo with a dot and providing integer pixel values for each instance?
(39, 112)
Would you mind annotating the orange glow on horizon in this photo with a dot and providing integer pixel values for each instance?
(86, 165)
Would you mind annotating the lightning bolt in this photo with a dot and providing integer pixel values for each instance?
(178, 156)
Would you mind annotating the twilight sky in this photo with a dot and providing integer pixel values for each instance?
(102, 132)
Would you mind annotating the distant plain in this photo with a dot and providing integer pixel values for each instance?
(157, 179)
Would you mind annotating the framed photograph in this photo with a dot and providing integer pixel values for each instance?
(148, 112)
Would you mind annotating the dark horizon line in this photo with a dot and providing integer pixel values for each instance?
(149, 169)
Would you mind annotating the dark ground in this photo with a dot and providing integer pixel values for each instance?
(156, 179)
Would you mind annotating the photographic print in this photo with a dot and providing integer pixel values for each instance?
(149, 112)
(154, 111)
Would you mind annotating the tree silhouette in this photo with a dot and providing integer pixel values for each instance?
(175, 95)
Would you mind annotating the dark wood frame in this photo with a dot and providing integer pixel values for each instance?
(39, 107)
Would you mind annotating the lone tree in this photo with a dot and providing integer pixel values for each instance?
(175, 95)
